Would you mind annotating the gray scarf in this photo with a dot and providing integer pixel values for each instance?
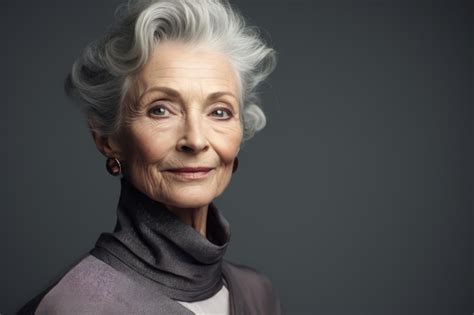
(151, 244)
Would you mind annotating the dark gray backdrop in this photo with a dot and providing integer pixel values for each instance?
(355, 199)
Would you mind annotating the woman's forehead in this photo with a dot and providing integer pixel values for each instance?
(180, 68)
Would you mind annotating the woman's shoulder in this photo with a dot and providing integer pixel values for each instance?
(79, 290)
(87, 286)
(92, 287)
(254, 287)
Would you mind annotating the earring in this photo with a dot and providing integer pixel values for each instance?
(113, 166)
(235, 166)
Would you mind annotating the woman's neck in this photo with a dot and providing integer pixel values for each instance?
(195, 217)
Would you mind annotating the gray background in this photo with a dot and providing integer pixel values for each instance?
(355, 199)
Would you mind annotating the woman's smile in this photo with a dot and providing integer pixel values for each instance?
(187, 174)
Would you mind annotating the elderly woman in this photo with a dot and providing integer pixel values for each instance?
(169, 95)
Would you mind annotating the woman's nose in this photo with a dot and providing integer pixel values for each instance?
(193, 139)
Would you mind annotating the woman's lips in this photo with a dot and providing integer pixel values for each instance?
(189, 173)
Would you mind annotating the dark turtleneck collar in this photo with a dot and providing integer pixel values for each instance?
(150, 242)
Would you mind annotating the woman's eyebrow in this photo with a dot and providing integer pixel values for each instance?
(173, 93)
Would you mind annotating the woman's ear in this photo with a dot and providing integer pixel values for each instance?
(107, 145)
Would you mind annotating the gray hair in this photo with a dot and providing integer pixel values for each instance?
(102, 77)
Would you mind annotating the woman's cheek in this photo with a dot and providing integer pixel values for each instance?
(153, 144)
(228, 139)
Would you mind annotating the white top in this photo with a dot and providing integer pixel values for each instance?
(216, 304)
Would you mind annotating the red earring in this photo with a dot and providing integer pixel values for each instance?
(235, 166)
(113, 166)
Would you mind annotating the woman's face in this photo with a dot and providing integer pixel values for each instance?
(186, 115)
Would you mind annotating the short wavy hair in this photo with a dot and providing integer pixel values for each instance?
(102, 78)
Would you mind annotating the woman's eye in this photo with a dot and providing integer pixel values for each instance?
(222, 113)
(158, 111)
